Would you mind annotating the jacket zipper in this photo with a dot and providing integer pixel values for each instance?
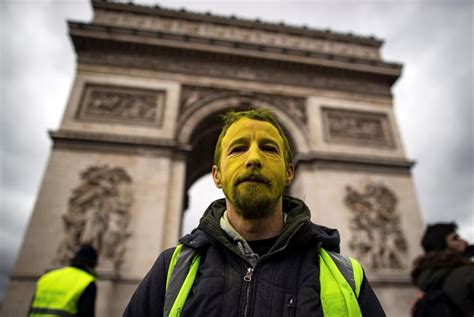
(247, 280)
(291, 306)
(249, 271)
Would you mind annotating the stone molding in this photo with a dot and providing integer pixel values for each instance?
(124, 105)
(355, 162)
(82, 35)
(159, 12)
(195, 63)
(356, 127)
(116, 143)
(220, 31)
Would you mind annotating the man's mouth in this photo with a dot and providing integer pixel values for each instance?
(254, 180)
(251, 181)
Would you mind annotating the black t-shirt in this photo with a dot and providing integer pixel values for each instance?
(261, 247)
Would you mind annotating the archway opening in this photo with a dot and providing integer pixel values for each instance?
(200, 195)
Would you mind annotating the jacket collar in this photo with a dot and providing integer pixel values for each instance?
(298, 230)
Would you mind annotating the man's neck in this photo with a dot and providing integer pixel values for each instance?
(259, 228)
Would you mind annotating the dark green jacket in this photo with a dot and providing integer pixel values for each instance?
(449, 272)
(285, 282)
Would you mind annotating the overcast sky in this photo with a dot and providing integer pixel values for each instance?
(433, 98)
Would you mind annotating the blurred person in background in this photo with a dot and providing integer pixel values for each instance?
(445, 274)
(68, 291)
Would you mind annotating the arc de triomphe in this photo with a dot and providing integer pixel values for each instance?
(141, 124)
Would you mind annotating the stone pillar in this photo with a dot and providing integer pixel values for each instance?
(115, 177)
(356, 179)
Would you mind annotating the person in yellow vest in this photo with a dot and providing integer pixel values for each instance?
(256, 252)
(68, 291)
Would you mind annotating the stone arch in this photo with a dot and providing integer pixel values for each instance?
(198, 110)
(200, 121)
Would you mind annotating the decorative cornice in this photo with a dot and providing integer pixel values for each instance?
(281, 27)
(371, 163)
(82, 33)
(110, 142)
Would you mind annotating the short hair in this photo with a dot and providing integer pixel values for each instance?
(86, 255)
(435, 235)
(255, 114)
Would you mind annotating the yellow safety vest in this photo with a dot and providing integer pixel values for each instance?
(58, 292)
(340, 280)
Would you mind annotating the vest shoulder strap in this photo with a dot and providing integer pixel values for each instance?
(180, 278)
(350, 269)
(340, 280)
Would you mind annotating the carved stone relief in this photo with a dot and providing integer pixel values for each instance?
(235, 33)
(193, 96)
(122, 104)
(377, 238)
(356, 127)
(98, 213)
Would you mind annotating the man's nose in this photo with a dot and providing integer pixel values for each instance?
(253, 158)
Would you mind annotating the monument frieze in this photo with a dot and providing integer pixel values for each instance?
(126, 105)
(356, 127)
(236, 33)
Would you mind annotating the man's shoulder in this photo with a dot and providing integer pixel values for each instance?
(165, 256)
(329, 237)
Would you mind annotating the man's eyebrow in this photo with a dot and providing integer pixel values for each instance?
(242, 139)
(269, 141)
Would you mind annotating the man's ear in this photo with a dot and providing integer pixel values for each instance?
(216, 176)
(290, 173)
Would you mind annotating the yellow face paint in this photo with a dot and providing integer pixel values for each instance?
(252, 172)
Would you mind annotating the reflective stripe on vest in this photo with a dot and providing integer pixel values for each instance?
(58, 291)
(340, 280)
(180, 278)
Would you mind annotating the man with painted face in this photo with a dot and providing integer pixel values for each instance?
(256, 252)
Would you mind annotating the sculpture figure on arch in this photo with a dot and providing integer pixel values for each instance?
(98, 214)
(375, 225)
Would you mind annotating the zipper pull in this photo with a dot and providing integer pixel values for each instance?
(292, 302)
(248, 275)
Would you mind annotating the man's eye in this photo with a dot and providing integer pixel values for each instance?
(269, 148)
(238, 149)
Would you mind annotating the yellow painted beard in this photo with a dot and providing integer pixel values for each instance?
(253, 201)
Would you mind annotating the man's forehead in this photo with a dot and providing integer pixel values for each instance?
(246, 127)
